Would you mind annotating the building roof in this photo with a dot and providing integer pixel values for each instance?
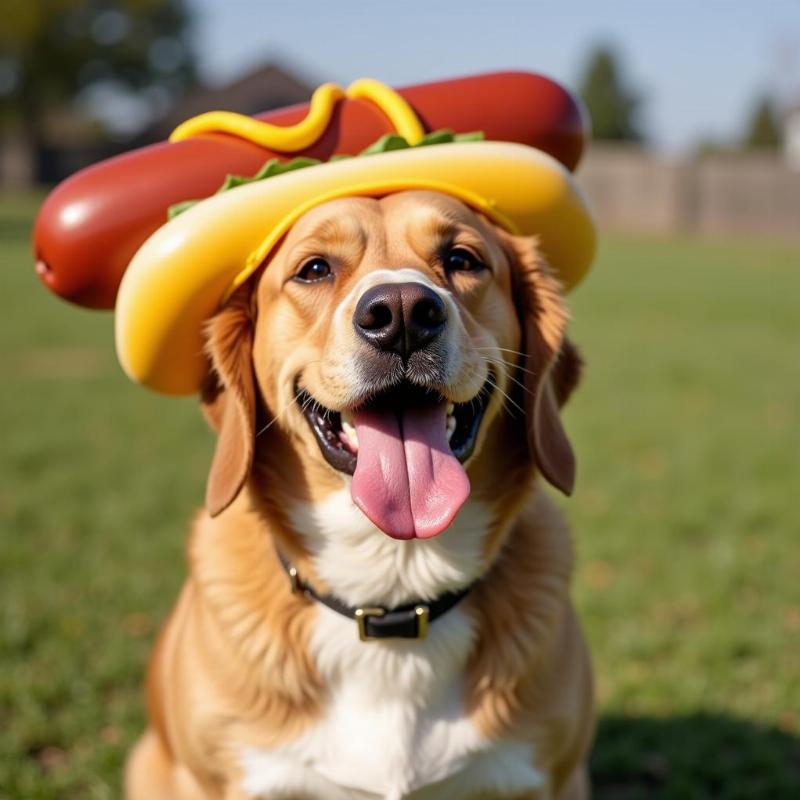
(269, 86)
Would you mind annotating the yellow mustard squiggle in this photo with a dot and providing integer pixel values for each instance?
(292, 138)
(393, 104)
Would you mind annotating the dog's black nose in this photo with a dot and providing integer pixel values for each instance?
(400, 317)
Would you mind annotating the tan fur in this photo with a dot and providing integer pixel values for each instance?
(232, 667)
(531, 673)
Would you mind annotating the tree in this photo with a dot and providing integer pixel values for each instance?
(53, 50)
(763, 130)
(612, 106)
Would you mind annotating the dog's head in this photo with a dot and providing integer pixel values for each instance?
(404, 341)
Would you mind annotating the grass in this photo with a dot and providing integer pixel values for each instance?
(686, 521)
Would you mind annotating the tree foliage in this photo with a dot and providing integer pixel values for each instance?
(612, 106)
(763, 130)
(51, 50)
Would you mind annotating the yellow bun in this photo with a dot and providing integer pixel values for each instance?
(187, 268)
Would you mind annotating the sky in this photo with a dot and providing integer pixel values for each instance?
(697, 65)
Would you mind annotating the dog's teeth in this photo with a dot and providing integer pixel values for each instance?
(347, 417)
(451, 420)
(350, 432)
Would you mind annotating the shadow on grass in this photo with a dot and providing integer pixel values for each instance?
(697, 756)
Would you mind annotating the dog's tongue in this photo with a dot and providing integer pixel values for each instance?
(407, 480)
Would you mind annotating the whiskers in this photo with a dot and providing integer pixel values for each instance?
(286, 408)
(520, 367)
(498, 367)
(508, 398)
(295, 400)
(501, 367)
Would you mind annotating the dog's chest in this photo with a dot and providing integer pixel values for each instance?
(394, 727)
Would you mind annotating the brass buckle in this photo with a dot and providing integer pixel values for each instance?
(422, 613)
(294, 580)
(361, 618)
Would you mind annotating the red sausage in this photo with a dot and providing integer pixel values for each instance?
(91, 225)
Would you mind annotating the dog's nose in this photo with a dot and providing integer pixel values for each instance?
(400, 317)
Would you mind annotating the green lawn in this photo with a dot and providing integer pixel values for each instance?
(686, 515)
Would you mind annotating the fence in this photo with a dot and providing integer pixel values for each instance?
(633, 190)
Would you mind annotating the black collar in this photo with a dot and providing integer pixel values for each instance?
(409, 621)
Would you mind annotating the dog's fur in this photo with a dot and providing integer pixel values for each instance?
(256, 692)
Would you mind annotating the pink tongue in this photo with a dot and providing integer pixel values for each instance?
(407, 480)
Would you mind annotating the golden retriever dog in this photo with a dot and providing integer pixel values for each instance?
(378, 595)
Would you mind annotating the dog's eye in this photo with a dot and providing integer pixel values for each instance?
(314, 270)
(461, 260)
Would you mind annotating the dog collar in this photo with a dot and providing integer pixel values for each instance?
(409, 621)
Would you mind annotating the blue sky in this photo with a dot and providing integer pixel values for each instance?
(698, 64)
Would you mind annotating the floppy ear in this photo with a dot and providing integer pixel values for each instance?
(551, 364)
(229, 399)
(566, 372)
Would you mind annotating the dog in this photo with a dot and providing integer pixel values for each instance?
(378, 329)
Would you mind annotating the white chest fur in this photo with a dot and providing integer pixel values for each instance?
(394, 727)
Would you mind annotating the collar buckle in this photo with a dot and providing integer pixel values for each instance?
(294, 580)
(361, 615)
(422, 613)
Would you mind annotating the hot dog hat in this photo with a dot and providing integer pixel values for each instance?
(187, 268)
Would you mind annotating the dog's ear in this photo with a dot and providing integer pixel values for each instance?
(229, 399)
(566, 372)
(551, 367)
